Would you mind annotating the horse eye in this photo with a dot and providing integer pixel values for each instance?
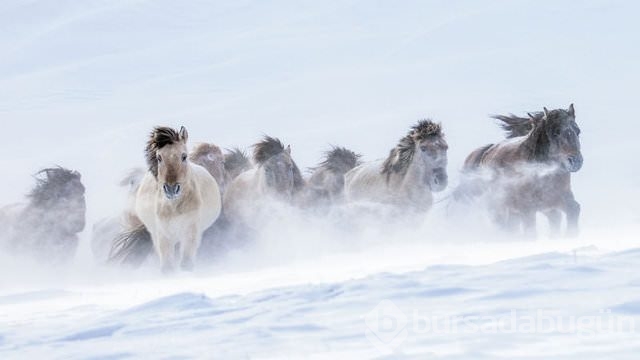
(159, 158)
(184, 157)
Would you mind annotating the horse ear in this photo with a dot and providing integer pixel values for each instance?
(288, 150)
(546, 112)
(531, 116)
(571, 111)
(184, 135)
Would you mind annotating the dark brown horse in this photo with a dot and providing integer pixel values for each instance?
(529, 172)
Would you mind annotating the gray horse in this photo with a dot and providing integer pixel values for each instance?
(415, 168)
(47, 226)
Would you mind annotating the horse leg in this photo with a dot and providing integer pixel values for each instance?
(166, 252)
(189, 250)
(572, 209)
(529, 224)
(510, 221)
(555, 217)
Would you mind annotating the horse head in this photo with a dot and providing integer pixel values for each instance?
(210, 157)
(563, 134)
(431, 154)
(167, 159)
(59, 196)
(281, 174)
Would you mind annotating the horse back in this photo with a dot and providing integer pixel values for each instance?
(364, 181)
(474, 159)
(239, 192)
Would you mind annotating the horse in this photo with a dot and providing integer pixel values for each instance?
(415, 167)
(326, 183)
(210, 157)
(528, 172)
(105, 230)
(176, 202)
(47, 227)
(236, 162)
(207, 155)
(275, 177)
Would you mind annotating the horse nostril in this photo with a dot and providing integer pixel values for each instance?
(177, 189)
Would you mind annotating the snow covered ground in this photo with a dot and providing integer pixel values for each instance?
(81, 84)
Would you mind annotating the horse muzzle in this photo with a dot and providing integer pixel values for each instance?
(172, 191)
(573, 163)
(439, 180)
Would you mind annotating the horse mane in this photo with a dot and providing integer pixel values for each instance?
(49, 186)
(400, 157)
(339, 160)
(269, 147)
(538, 142)
(265, 149)
(516, 126)
(160, 137)
(236, 160)
(202, 149)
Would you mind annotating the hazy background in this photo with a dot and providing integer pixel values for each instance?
(82, 83)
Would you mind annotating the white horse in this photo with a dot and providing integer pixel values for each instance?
(275, 177)
(415, 168)
(176, 202)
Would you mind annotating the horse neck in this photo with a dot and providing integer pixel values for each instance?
(260, 180)
(536, 146)
(415, 172)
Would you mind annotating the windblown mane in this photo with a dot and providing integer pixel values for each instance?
(516, 126)
(539, 142)
(265, 149)
(203, 149)
(339, 160)
(53, 185)
(236, 160)
(160, 137)
(400, 157)
(270, 146)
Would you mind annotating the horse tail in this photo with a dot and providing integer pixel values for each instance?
(131, 247)
(515, 126)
